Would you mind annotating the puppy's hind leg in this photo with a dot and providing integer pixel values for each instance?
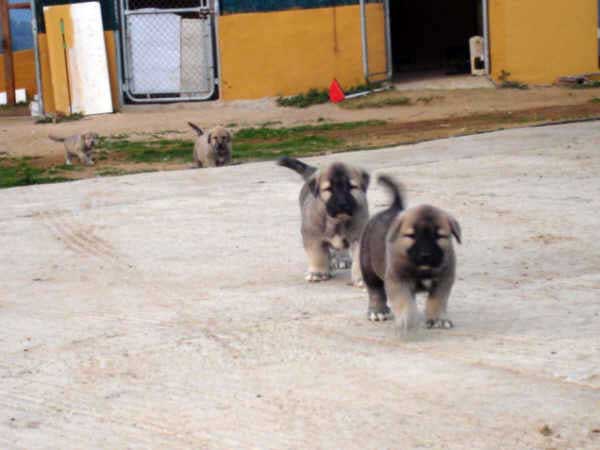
(357, 278)
(318, 262)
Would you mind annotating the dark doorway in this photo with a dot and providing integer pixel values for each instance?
(433, 35)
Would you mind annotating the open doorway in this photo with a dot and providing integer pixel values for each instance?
(430, 38)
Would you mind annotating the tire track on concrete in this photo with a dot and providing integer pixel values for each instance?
(79, 238)
(83, 240)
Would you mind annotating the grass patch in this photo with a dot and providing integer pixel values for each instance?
(377, 101)
(271, 123)
(20, 173)
(64, 168)
(312, 97)
(160, 150)
(595, 100)
(302, 145)
(111, 172)
(249, 143)
(260, 143)
(592, 84)
(507, 83)
(58, 118)
(319, 96)
(16, 107)
(291, 132)
(428, 100)
(268, 143)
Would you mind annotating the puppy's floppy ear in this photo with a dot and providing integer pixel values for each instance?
(365, 179)
(455, 228)
(227, 136)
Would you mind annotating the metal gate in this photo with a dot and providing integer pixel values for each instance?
(168, 50)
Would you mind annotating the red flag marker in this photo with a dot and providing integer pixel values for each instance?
(336, 94)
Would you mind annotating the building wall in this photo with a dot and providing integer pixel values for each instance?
(24, 67)
(289, 52)
(539, 41)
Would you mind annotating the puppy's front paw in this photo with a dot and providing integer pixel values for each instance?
(379, 316)
(439, 323)
(359, 283)
(315, 277)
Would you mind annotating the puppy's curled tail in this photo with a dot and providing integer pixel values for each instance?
(56, 139)
(196, 128)
(395, 189)
(297, 166)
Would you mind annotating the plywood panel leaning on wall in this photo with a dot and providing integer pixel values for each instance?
(77, 56)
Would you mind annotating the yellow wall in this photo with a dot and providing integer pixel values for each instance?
(539, 41)
(289, 52)
(47, 88)
(24, 67)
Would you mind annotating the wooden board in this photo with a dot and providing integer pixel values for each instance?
(77, 56)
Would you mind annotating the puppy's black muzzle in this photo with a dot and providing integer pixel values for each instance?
(426, 253)
(341, 205)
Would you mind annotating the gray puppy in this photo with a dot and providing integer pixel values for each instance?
(334, 210)
(79, 145)
(212, 149)
(406, 252)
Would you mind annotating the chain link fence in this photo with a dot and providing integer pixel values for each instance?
(168, 50)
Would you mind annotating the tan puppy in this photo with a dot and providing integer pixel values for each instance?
(79, 145)
(212, 149)
(334, 210)
(406, 252)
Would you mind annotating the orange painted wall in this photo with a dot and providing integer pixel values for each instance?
(289, 52)
(24, 64)
(539, 41)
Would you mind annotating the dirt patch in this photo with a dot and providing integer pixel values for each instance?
(395, 133)
(387, 119)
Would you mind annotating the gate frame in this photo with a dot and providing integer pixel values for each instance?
(203, 10)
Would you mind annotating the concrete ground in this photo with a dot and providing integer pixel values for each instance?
(168, 310)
